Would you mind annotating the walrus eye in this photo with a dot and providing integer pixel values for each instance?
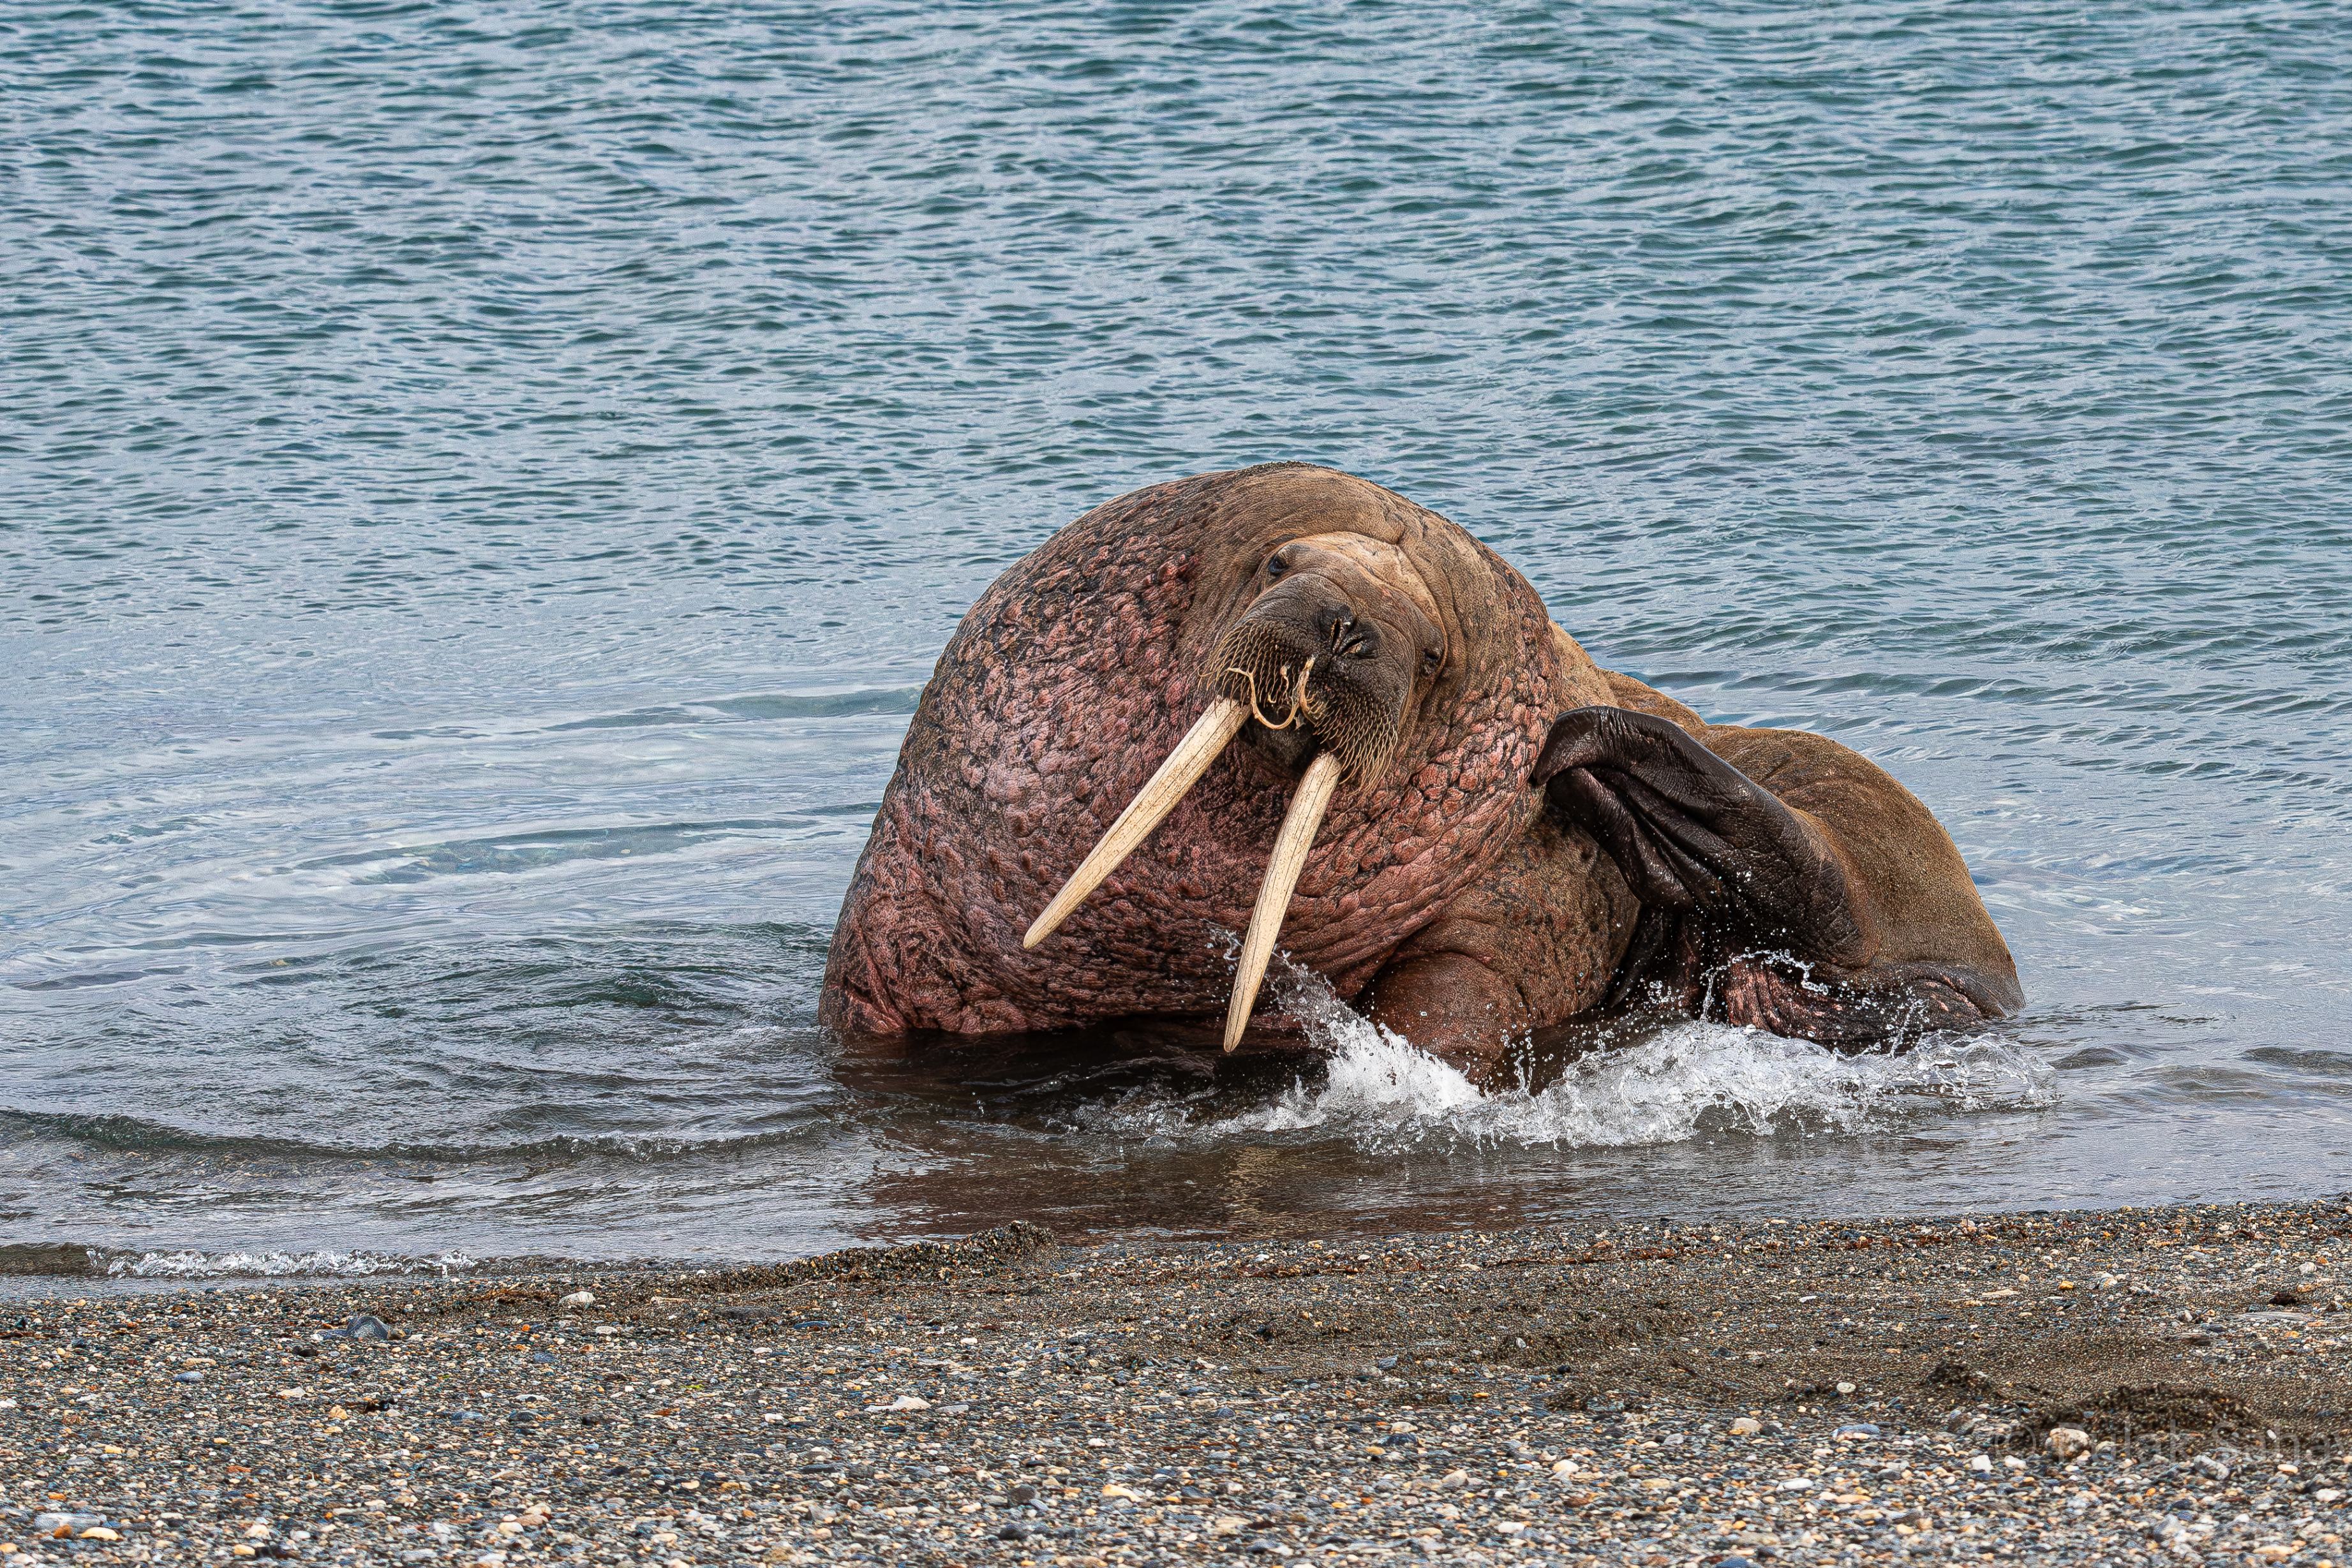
(1429, 661)
(1276, 566)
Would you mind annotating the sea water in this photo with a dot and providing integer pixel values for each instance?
(481, 490)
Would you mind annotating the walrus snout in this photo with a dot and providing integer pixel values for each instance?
(1320, 672)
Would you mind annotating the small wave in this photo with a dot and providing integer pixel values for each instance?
(193, 1265)
(2336, 1063)
(1689, 1080)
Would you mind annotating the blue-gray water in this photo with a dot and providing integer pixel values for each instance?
(482, 487)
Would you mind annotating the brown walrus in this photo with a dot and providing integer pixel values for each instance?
(1285, 701)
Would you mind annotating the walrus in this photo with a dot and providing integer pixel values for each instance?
(1282, 705)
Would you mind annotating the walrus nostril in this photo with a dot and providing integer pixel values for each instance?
(1347, 636)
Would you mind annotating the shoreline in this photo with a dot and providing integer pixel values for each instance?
(1798, 1391)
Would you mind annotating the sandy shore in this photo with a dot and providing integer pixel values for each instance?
(1804, 1392)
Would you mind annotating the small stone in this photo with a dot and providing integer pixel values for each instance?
(1845, 1389)
(1747, 1426)
(1228, 1525)
(2065, 1442)
(1981, 1464)
(100, 1532)
(904, 1401)
(579, 1299)
(367, 1326)
(1855, 1432)
(1116, 1490)
(1013, 1533)
(1455, 1480)
(2207, 1465)
(337, 1413)
(1022, 1492)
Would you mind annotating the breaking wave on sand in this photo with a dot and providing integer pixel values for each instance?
(324, 1264)
(1686, 1079)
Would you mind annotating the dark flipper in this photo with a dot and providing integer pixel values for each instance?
(1751, 907)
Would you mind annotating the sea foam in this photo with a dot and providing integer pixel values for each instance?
(1686, 1079)
(193, 1265)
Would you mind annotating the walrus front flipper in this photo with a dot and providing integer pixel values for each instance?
(1817, 896)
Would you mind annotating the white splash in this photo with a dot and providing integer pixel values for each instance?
(191, 1265)
(1688, 1080)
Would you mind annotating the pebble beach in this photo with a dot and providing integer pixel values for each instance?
(2160, 1384)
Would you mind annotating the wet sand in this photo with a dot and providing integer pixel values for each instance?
(2154, 1385)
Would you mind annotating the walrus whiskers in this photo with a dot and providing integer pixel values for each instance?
(1202, 745)
(1298, 707)
(1290, 846)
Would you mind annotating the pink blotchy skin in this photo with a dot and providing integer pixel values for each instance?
(1070, 681)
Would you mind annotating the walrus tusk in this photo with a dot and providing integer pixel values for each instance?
(1290, 847)
(1209, 735)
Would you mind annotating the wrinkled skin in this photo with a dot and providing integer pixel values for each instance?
(1519, 837)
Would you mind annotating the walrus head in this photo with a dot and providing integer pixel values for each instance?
(1320, 675)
